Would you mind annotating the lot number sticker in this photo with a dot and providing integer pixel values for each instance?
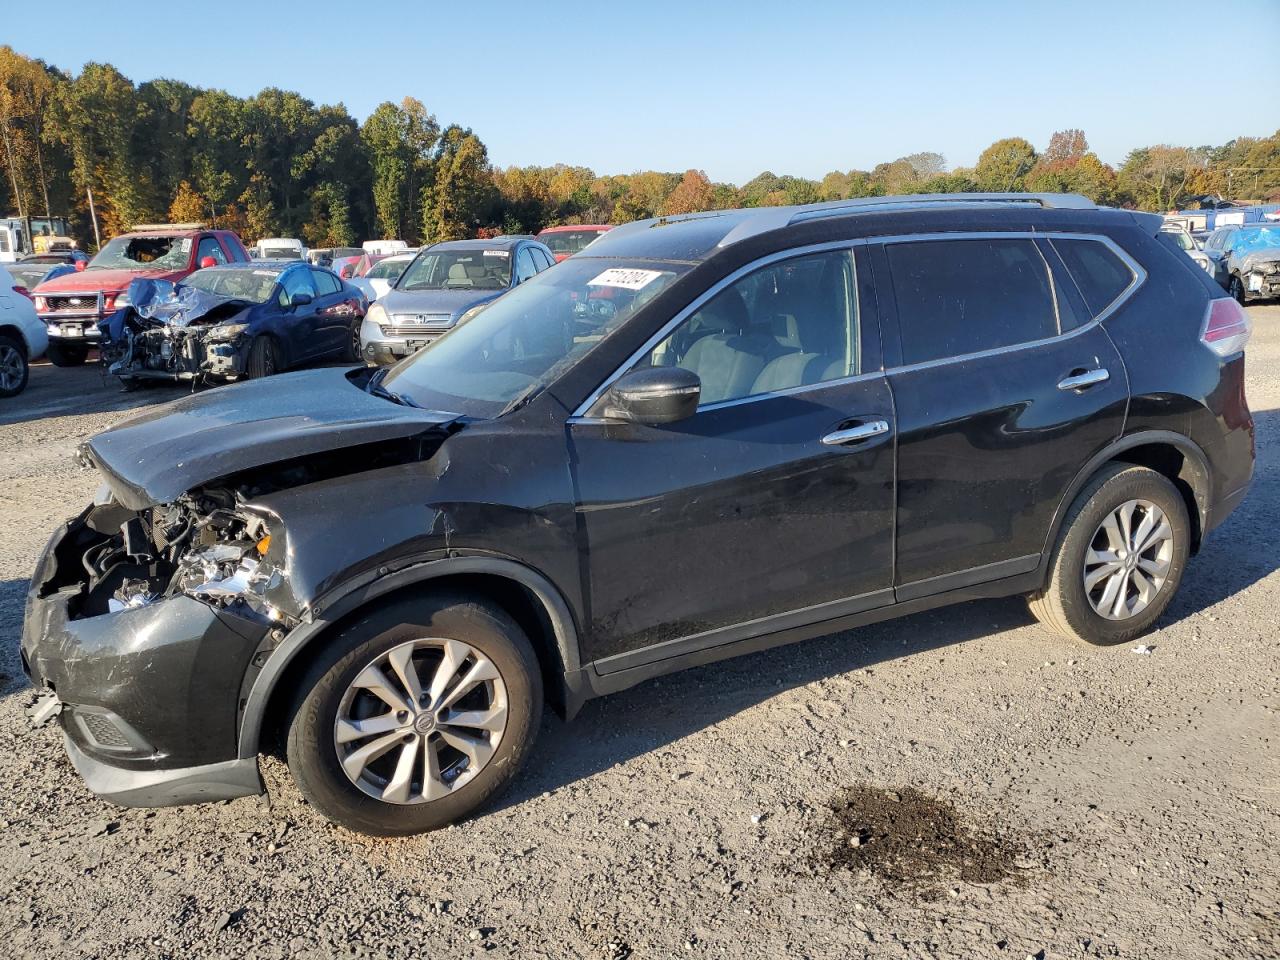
(626, 279)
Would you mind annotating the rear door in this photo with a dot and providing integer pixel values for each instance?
(1004, 385)
(772, 506)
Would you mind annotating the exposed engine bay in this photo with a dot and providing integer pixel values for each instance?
(173, 332)
(204, 545)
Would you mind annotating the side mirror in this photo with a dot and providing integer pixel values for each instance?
(207, 262)
(81, 264)
(300, 299)
(653, 396)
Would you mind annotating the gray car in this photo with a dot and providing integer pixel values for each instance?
(444, 284)
(1246, 259)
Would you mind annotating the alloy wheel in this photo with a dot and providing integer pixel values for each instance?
(1128, 560)
(10, 368)
(420, 721)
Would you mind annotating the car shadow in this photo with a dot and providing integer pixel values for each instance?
(659, 712)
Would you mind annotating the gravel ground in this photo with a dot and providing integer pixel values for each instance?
(1133, 797)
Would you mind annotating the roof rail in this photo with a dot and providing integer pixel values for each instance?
(775, 217)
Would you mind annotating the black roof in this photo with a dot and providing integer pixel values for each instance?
(699, 236)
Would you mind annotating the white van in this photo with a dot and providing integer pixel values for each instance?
(279, 248)
(384, 248)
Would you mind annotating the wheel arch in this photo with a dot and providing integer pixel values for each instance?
(1170, 454)
(11, 330)
(526, 595)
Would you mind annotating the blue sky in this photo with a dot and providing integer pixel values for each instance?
(730, 88)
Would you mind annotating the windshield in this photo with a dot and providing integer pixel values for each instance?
(252, 283)
(280, 253)
(473, 269)
(525, 339)
(386, 270)
(569, 241)
(1183, 240)
(143, 253)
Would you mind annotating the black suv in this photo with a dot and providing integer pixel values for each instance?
(707, 435)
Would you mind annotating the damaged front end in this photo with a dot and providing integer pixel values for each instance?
(170, 332)
(140, 626)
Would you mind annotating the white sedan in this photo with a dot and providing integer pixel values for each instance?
(382, 276)
(22, 336)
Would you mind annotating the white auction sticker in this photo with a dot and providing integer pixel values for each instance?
(497, 253)
(624, 278)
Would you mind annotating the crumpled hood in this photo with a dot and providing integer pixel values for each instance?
(109, 280)
(1255, 258)
(453, 302)
(162, 453)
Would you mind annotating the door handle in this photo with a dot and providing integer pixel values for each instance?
(857, 433)
(1082, 381)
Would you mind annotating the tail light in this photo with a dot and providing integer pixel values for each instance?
(24, 291)
(1226, 327)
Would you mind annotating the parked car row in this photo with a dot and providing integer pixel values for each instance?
(182, 302)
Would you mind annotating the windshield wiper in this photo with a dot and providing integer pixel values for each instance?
(375, 388)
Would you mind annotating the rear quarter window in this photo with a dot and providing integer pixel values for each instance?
(1098, 272)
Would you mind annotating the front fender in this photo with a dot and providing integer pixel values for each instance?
(341, 601)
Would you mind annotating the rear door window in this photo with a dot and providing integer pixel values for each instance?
(957, 297)
(1098, 272)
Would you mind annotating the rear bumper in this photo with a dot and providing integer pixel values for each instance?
(166, 788)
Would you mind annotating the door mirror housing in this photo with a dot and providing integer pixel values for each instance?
(653, 396)
(300, 299)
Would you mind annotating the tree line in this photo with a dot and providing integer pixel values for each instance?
(109, 153)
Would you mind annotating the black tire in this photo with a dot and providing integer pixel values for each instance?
(311, 749)
(67, 354)
(1064, 605)
(352, 353)
(14, 369)
(130, 384)
(263, 360)
(1237, 290)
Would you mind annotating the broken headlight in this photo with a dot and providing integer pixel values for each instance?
(225, 332)
(228, 567)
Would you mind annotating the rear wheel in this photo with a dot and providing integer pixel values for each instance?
(262, 358)
(416, 715)
(1119, 557)
(67, 354)
(14, 370)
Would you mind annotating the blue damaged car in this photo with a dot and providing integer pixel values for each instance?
(231, 322)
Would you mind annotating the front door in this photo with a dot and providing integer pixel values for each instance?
(772, 506)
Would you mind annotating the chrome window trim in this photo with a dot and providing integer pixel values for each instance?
(1139, 278)
(579, 414)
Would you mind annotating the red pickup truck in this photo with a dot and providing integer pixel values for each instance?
(72, 305)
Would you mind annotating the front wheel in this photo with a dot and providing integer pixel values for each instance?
(1237, 290)
(1119, 557)
(14, 369)
(353, 349)
(415, 716)
(67, 354)
(262, 360)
